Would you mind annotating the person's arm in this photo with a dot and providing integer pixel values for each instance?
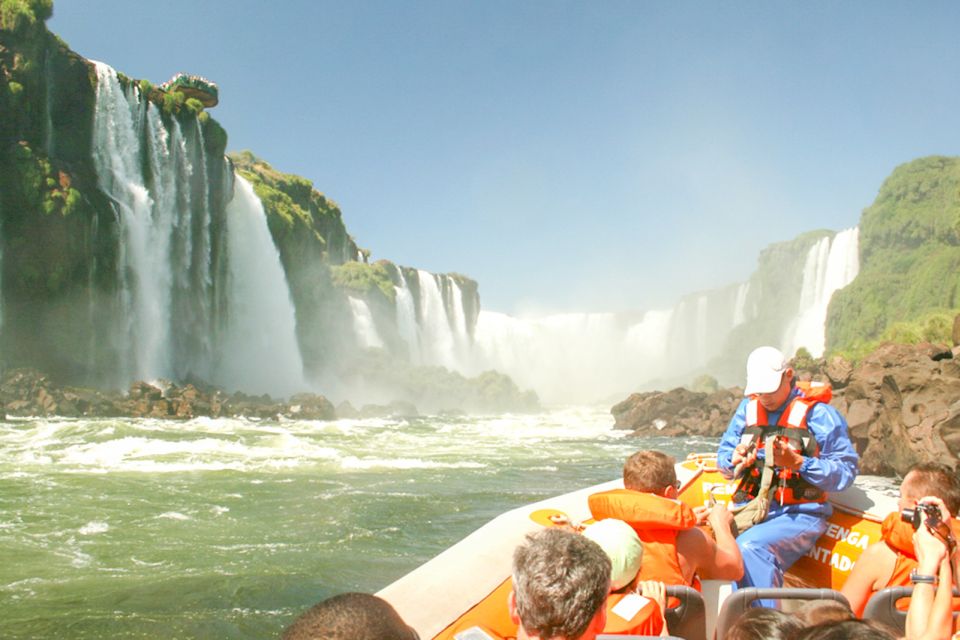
(731, 438)
(868, 569)
(657, 592)
(838, 463)
(924, 620)
(720, 560)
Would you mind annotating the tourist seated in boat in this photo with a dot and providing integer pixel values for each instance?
(889, 562)
(675, 550)
(930, 615)
(350, 616)
(788, 447)
(630, 608)
(560, 583)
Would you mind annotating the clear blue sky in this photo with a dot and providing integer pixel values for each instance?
(567, 155)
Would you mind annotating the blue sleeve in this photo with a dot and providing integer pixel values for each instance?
(731, 438)
(837, 466)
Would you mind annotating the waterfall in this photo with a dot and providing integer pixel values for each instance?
(740, 314)
(458, 321)
(436, 336)
(407, 319)
(831, 264)
(259, 350)
(143, 268)
(363, 325)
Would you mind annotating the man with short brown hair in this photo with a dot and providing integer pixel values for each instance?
(674, 549)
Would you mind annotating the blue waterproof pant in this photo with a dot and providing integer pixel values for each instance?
(771, 547)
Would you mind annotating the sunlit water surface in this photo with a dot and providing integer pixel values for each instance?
(231, 528)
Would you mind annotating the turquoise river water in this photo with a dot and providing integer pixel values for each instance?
(230, 528)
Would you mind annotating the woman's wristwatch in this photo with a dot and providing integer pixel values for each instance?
(919, 578)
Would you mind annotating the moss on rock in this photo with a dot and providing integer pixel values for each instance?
(366, 279)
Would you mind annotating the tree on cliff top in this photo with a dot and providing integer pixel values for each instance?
(18, 15)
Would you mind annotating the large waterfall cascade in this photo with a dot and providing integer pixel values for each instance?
(154, 169)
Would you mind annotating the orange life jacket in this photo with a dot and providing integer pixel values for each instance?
(647, 621)
(657, 520)
(792, 427)
(898, 535)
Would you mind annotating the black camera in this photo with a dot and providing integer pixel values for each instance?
(924, 513)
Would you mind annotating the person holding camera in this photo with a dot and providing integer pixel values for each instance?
(891, 561)
(930, 616)
(789, 447)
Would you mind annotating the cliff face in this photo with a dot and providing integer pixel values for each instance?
(126, 244)
(910, 261)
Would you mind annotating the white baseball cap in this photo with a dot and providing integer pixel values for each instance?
(765, 367)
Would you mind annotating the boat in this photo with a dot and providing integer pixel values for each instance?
(466, 585)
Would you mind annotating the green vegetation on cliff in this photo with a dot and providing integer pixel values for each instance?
(364, 278)
(295, 209)
(907, 288)
(19, 15)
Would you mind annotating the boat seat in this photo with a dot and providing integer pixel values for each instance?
(689, 618)
(882, 607)
(741, 599)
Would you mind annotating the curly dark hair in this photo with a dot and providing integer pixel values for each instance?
(560, 582)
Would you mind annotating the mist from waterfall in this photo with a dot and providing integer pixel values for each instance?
(259, 351)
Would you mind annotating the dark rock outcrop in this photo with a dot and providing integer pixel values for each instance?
(677, 412)
(903, 407)
(902, 404)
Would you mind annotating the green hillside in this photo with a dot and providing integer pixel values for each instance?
(910, 261)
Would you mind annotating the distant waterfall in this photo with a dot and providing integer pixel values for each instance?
(831, 264)
(436, 335)
(740, 311)
(407, 319)
(363, 326)
(259, 347)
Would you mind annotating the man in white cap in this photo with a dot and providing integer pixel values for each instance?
(811, 454)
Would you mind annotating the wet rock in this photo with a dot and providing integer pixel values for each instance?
(677, 412)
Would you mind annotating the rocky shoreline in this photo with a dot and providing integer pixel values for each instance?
(902, 404)
(27, 392)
